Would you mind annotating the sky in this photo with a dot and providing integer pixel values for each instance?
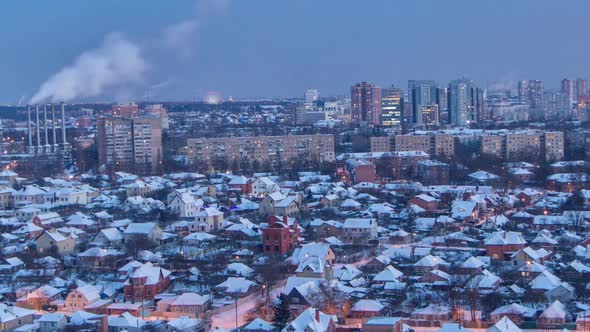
(280, 48)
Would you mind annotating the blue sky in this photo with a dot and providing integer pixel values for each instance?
(269, 48)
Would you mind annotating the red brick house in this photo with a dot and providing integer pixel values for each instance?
(281, 236)
(39, 298)
(145, 282)
(426, 202)
(501, 245)
(241, 183)
(365, 309)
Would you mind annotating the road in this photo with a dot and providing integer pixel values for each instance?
(225, 317)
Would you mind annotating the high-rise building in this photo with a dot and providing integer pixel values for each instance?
(158, 111)
(465, 102)
(421, 93)
(133, 144)
(442, 102)
(582, 89)
(430, 115)
(392, 106)
(311, 96)
(569, 90)
(365, 101)
(532, 92)
(129, 110)
(575, 90)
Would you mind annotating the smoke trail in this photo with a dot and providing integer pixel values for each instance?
(120, 63)
(117, 61)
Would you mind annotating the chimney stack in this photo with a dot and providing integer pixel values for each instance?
(63, 124)
(38, 132)
(45, 127)
(29, 126)
(54, 130)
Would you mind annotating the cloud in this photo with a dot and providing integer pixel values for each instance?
(117, 62)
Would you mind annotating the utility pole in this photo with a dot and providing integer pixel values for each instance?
(236, 298)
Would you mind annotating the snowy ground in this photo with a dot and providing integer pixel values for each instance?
(225, 317)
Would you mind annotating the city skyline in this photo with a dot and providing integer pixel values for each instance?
(227, 47)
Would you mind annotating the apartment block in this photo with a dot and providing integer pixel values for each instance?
(381, 144)
(220, 153)
(441, 145)
(133, 144)
(508, 145)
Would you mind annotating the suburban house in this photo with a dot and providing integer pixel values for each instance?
(281, 236)
(54, 240)
(208, 219)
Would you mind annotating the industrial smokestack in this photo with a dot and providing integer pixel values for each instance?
(63, 123)
(37, 125)
(29, 126)
(45, 127)
(53, 125)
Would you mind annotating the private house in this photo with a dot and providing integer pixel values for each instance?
(81, 297)
(281, 236)
(51, 240)
(267, 205)
(501, 245)
(424, 201)
(263, 185)
(287, 207)
(184, 204)
(208, 219)
(148, 231)
(359, 230)
(13, 317)
(145, 282)
(39, 298)
(187, 304)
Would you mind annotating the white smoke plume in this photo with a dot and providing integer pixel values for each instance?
(117, 61)
(120, 63)
(177, 36)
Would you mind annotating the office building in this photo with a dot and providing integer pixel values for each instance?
(392, 106)
(365, 100)
(133, 144)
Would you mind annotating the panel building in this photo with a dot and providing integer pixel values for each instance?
(365, 102)
(273, 151)
(133, 144)
(508, 145)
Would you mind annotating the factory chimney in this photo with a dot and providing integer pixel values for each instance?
(63, 124)
(30, 146)
(54, 129)
(47, 146)
(38, 131)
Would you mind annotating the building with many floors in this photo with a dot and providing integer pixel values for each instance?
(222, 152)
